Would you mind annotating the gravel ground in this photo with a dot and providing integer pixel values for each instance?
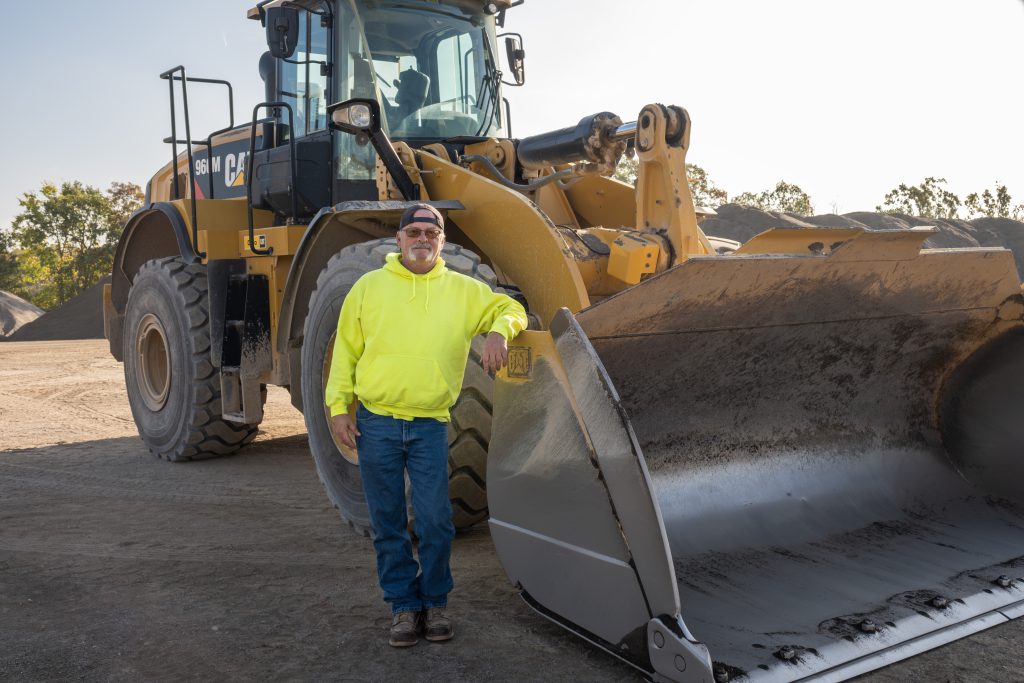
(115, 566)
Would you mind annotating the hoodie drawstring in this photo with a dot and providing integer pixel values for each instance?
(394, 264)
(426, 303)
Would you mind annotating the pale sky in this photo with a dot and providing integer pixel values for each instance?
(846, 99)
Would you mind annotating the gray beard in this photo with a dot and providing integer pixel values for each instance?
(421, 256)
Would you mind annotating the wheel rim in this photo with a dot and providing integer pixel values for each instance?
(154, 362)
(350, 454)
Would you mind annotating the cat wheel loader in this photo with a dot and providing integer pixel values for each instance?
(798, 458)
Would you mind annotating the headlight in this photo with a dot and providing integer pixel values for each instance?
(354, 116)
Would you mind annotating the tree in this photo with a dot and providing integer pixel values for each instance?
(930, 199)
(125, 199)
(67, 236)
(993, 204)
(784, 197)
(10, 276)
(703, 189)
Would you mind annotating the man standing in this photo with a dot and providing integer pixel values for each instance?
(403, 340)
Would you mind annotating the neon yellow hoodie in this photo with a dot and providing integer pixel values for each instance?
(403, 339)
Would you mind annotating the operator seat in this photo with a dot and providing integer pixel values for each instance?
(413, 87)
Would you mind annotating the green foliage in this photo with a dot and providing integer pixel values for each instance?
(784, 197)
(627, 169)
(65, 238)
(930, 199)
(10, 276)
(996, 203)
(124, 199)
(703, 189)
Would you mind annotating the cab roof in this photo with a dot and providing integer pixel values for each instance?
(254, 12)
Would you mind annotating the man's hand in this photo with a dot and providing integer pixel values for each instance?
(345, 429)
(495, 354)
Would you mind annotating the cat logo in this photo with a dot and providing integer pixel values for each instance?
(519, 362)
(234, 169)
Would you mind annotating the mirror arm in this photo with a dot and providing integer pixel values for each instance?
(392, 162)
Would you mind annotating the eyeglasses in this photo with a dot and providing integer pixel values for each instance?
(429, 233)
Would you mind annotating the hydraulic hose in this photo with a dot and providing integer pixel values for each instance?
(529, 187)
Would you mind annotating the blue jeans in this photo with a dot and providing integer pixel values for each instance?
(387, 448)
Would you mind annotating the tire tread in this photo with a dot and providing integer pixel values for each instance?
(209, 435)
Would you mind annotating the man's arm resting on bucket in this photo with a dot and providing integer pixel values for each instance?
(502, 317)
(348, 347)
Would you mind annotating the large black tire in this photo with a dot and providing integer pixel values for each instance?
(469, 430)
(173, 388)
(469, 434)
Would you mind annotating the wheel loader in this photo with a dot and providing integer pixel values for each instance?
(797, 458)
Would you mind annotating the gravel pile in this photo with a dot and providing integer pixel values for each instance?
(742, 222)
(80, 318)
(15, 312)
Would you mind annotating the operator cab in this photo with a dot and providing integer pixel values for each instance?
(433, 69)
(432, 66)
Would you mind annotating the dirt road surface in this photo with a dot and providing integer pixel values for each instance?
(116, 566)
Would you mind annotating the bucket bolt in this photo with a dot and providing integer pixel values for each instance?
(786, 653)
(868, 626)
(1003, 581)
(721, 674)
(940, 602)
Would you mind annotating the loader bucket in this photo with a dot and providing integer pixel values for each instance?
(772, 467)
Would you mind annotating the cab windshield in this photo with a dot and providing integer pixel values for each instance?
(430, 65)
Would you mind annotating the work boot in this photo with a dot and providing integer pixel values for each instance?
(437, 626)
(403, 629)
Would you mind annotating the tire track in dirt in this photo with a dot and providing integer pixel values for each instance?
(119, 418)
(61, 391)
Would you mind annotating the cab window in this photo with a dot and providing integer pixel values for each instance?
(456, 68)
(304, 76)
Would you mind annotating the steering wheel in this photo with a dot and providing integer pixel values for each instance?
(442, 114)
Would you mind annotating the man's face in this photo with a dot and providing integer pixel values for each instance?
(419, 249)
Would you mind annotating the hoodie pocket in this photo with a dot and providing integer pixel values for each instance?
(404, 381)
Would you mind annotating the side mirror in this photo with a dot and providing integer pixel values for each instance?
(282, 31)
(356, 116)
(516, 57)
